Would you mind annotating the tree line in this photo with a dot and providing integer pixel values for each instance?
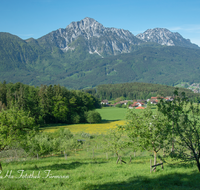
(48, 104)
(137, 90)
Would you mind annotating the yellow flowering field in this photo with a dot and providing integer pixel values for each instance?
(89, 128)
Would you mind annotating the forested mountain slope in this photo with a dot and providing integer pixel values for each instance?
(86, 54)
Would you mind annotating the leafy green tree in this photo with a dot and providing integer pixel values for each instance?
(183, 116)
(60, 110)
(148, 130)
(114, 142)
(3, 92)
(15, 126)
(93, 117)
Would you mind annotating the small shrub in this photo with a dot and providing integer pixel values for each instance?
(86, 135)
(93, 117)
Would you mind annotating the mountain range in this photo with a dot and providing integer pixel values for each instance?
(86, 54)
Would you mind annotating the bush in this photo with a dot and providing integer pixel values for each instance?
(86, 135)
(40, 145)
(62, 132)
(93, 117)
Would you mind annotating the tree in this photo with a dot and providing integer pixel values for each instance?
(148, 130)
(149, 104)
(93, 117)
(114, 142)
(183, 116)
(3, 91)
(15, 126)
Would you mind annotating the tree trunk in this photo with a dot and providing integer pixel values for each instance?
(198, 164)
(118, 159)
(155, 160)
(1, 167)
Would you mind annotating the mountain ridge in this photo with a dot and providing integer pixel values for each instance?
(164, 36)
(86, 54)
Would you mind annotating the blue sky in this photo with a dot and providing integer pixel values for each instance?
(35, 18)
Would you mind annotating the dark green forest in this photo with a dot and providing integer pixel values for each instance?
(48, 104)
(36, 62)
(136, 90)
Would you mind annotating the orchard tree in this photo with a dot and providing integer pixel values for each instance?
(148, 130)
(115, 142)
(185, 126)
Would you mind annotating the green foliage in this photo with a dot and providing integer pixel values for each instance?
(15, 126)
(62, 133)
(40, 145)
(93, 117)
(48, 104)
(45, 143)
(118, 106)
(185, 127)
(147, 129)
(149, 104)
(114, 142)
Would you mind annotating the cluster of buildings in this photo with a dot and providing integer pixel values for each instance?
(139, 104)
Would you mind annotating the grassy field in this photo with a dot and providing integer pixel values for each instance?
(112, 113)
(81, 172)
(91, 166)
(111, 117)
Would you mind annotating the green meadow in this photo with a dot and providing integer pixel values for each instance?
(86, 169)
(112, 113)
(91, 166)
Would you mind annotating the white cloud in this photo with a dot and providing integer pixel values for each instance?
(187, 28)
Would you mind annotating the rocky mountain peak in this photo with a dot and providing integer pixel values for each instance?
(159, 35)
(86, 26)
(164, 36)
(95, 37)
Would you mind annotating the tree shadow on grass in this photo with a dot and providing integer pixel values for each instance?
(64, 166)
(108, 121)
(182, 165)
(170, 181)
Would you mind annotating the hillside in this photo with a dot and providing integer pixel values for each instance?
(86, 54)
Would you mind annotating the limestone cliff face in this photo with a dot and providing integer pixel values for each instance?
(93, 37)
(165, 37)
(97, 38)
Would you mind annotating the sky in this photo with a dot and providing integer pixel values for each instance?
(36, 18)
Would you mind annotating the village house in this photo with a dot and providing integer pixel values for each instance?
(104, 102)
(136, 104)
